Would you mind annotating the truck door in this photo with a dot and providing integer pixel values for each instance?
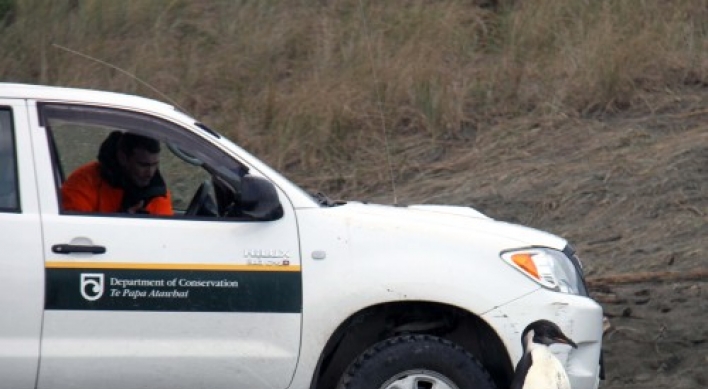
(202, 298)
(22, 275)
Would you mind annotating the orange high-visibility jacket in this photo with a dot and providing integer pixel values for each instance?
(86, 191)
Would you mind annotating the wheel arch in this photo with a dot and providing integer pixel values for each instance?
(375, 323)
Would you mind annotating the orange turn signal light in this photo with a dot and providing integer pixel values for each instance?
(525, 261)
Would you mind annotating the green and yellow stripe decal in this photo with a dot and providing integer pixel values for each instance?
(173, 287)
(169, 266)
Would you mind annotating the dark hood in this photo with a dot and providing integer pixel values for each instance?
(112, 172)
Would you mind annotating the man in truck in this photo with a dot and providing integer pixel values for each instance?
(124, 179)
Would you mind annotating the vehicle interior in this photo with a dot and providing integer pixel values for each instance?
(203, 181)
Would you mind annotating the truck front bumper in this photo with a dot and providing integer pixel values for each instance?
(579, 317)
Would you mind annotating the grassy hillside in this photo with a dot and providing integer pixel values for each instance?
(580, 117)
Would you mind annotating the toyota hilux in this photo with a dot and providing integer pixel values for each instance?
(253, 282)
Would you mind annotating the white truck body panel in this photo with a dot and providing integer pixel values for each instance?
(21, 292)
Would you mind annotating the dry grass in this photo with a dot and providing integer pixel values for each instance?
(319, 85)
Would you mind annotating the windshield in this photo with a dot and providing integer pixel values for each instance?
(274, 175)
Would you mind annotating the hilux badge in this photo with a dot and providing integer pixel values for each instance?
(92, 286)
(266, 253)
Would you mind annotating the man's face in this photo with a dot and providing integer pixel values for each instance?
(140, 166)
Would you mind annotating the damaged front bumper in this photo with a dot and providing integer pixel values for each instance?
(579, 317)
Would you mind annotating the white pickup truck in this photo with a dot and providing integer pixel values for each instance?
(254, 283)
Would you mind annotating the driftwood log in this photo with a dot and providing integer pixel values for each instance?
(636, 278)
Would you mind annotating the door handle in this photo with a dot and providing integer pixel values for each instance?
(77, 248)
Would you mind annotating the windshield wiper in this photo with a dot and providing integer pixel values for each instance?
(322, 199)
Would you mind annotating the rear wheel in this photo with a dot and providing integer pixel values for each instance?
(416, 362)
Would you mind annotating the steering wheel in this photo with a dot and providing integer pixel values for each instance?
(200, 199)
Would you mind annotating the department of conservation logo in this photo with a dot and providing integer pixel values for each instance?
(92, 286)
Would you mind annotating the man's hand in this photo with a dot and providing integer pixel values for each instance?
(137, 208)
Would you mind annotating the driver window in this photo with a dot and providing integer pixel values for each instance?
(118, 163)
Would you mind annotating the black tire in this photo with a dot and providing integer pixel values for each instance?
(416, 362)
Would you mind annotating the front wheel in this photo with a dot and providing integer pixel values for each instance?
(416, 362)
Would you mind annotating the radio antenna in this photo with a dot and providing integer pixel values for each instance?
(379, 102)
(127, 73)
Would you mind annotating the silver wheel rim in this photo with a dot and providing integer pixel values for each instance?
(419, 379)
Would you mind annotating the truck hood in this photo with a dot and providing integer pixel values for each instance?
(449, 209)
(457, 217)
(421, 252)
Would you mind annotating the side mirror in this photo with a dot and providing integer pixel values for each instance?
(259, 199)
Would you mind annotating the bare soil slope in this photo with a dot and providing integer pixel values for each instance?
(630, 190)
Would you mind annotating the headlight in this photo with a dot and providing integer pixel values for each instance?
(550, 268)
